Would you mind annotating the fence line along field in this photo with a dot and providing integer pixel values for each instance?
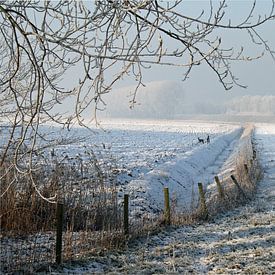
(91, 171)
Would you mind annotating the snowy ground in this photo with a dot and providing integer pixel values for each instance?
(147, 155)
(137, 147)
(240, 241)
(150, 155)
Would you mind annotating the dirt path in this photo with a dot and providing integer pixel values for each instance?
(241, 241)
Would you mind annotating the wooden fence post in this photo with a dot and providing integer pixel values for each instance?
(238, 186)
(246, 168)
(219, 187)
(203, 207)
(59, 227)
(167, 214)
(254, 154)
(126, 214)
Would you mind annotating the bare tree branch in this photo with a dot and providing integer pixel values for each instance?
(44, 43)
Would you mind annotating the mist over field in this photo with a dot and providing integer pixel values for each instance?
(169, 100)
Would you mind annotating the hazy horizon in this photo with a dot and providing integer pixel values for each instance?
(202, 85)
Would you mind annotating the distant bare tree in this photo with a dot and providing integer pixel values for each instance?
(97, 43)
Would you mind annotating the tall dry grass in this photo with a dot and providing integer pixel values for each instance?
(247, 171)
(93, 219)
(92, 216)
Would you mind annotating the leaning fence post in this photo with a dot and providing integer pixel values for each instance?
(167, 215)
(59, 226)
(246, 168)
(254, 154)
(238, 186)
(126, 214)
(219, 187)
(203, 207)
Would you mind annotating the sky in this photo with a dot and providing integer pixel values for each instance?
(203, 86)
(258, 75)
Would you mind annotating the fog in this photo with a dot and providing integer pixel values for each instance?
(159, 99)
(165, 95)
(169, 100)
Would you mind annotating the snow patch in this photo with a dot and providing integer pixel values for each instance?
(181, 175)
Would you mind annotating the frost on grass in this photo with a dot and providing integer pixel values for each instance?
(240, 241)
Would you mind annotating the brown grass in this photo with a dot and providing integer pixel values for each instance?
(93, 219)
(247, 172)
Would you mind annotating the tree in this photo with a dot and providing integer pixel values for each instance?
(45, 42)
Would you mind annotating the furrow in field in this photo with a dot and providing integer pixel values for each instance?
(181, 175)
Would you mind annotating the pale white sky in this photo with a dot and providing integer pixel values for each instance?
(203, 84)
(258, 75)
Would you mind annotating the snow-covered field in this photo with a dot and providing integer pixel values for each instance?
(149, 155)
(139, 146)
(241, 241)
